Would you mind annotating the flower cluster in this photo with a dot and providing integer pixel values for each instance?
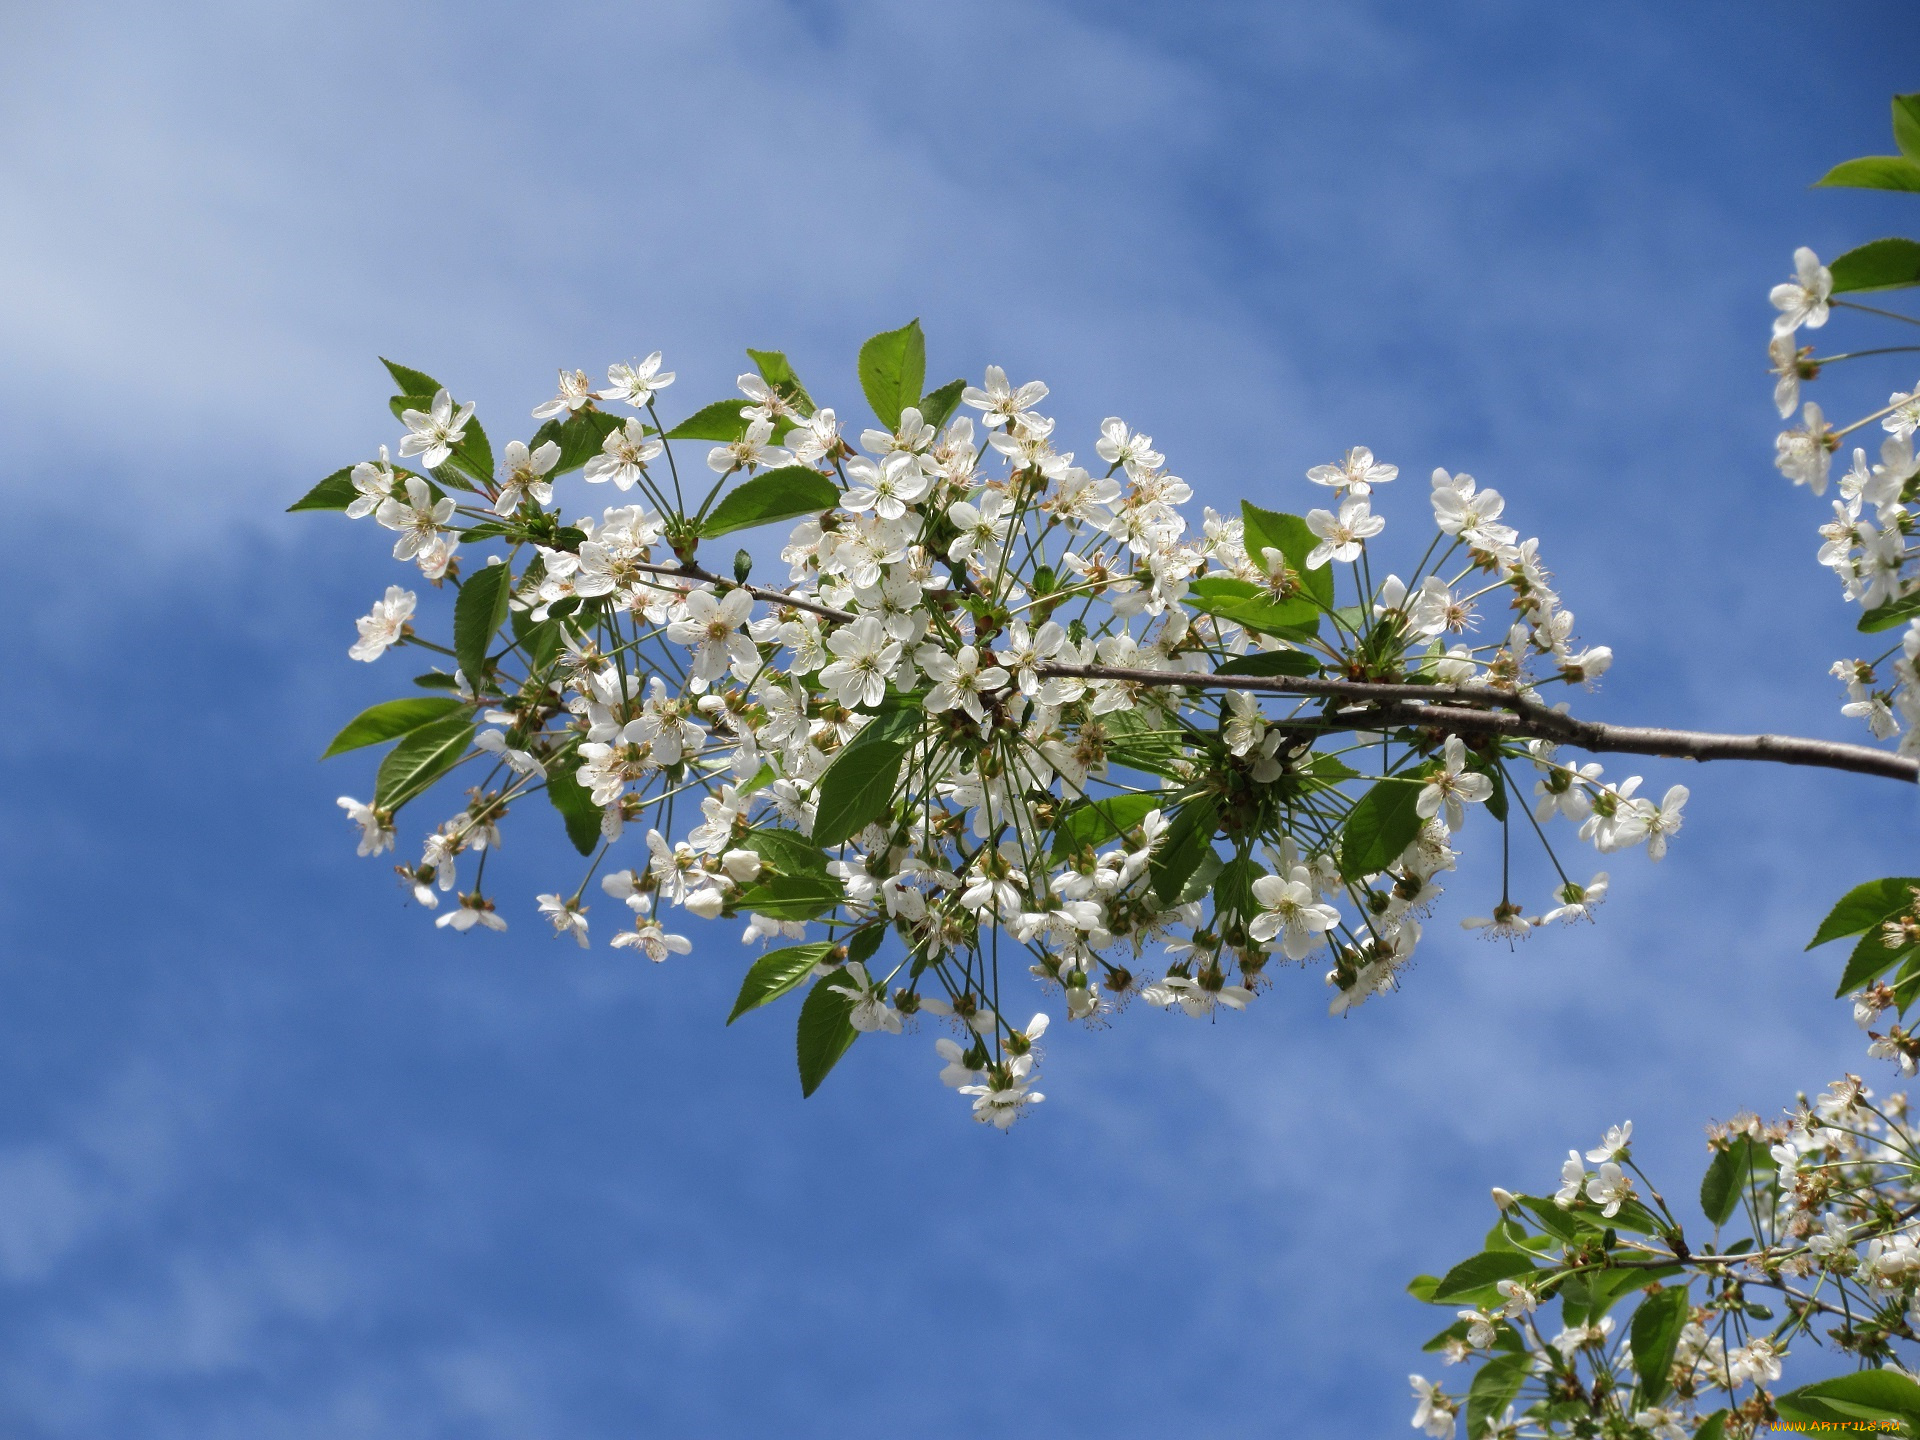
(1006, 708)
(1868, 541)
(1816, 1226)
(1867, 544)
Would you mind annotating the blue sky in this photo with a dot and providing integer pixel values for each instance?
(277, 1159)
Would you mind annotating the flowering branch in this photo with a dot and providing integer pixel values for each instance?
(1530, 718)
(1003, 706)
(1817, 1208)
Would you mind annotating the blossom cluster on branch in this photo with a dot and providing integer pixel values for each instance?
(1868, 541)
(1812, 1232)
(1005, 711)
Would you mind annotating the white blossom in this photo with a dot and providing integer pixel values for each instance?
(1803, 299)
(433, 434)
(638, 383)
(383, 626)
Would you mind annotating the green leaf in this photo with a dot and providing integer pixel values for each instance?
(786, 852)
(1863, 1395)
(775, 369)
(1271, 662)
(1654, 1336)
(1906, 125)
(1726, 1180)
(1291, 620)
(453, 476)
(1871, 958)
(1382, 824)
(858, 786)
(1507, 1233)
(436, 680)
(411, 382)
(864, 941)
(474, 454)
(1480, 1273)
(1233, 893)
(720, 421)
(826, 1032)
(893, 367)
(1493, 1390)
(1421, 1287)
(1497, 801)
(1246, 604)
(1606, 1288)
(385, 721)
(1567, 1226)
(1226, 588)
(1636, 1217)
(574, 802)
(1864, 907)
(1715, 1427)
(906, 709)
(1890, 264)
(1275, 530)
(937, 406)
(783, 494)
(540, 643)
(1142, 741)
(400, 404)
(1906, 985)
(777, 973)
(791, 897)
(1888, 615)
(1205, 875)
(477, 615)
(581, 436)
(1573, 1301)
(1091, 823)
(421, 757)
(1189, 839)
(1331, 769)
(1875, 172)
(336, 492)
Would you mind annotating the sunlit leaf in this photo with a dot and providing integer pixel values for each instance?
(893, 366)
(777, 973)
(420, 759)
(388, 720)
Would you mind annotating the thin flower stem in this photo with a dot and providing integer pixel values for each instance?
(680, 503)
(1873, 310)
(1859, 354)
(1867, 419)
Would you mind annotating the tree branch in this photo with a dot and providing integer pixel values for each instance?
(759, 592)
(1459, 709)
(1478, 710)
